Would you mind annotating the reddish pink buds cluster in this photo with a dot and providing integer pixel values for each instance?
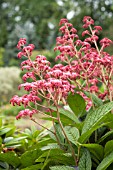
(26, 112)
(21, 43)
(26, 51)
(86, 66)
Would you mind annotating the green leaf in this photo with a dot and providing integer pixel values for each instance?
(4, 130)
(59, 133)
(50, 146)
(94, 120)
(11, 158)
(77, 104)
(56, 156)
(70, 115)
(52, 153)
(62, 168)
(72, 134)
(108, 148)
(33, 167)
(29, 157)
(85, 161)
(105, 162)
(96, 149)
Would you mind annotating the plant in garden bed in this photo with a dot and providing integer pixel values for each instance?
(78, 94)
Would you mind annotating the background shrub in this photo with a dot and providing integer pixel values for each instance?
(9, 81)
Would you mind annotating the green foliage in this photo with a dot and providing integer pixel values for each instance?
(88, 134)
(105, 162)
(72, 134)
(11, 158)
(96, 149)
(28, 158)
(77, 104)
(85, 161)
(94, 120)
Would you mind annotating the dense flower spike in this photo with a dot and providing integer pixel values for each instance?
(86, 67)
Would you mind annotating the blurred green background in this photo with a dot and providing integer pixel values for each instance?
(38, 21)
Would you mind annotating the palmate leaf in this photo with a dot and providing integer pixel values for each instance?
(105, 162)
(94, 120)
(77, 104)
(85, 161)
(62, 168)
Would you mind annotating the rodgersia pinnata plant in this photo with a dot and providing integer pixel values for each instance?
(80, 86)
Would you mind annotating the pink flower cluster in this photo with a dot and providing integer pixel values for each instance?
(86, 67)
(26, 51)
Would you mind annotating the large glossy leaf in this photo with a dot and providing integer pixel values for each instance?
(85, 161)
(96, 149)
(105, 162)
(72, 134)
(11, 158)
(94, 120)
(77, 104)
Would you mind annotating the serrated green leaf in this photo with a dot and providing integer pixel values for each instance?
(96, 149)
(105, 162)
(29, 157)
(72, 134)
(11, 158)
(108, 148)
(59, 133)
(62, 168)
(94, 120)
(50, 146)
(77, 104)
(85, 161)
